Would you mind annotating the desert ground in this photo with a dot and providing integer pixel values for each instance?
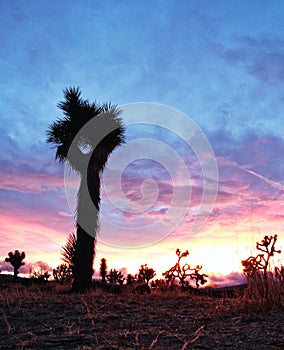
(41, 317)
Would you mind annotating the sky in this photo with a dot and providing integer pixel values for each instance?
(200, 87)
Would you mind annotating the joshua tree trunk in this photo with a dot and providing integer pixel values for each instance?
(15, 274)
(84, 258)
(87, 226)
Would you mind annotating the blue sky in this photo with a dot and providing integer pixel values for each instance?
(219, 62)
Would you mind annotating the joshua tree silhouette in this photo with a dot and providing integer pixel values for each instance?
(16, 260)
(182, 272)
(63, 134)
(260, 262)
(146, 274)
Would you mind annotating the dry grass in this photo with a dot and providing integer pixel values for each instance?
(41, 317)
(263, 296)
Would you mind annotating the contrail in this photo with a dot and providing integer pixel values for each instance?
(265, 179)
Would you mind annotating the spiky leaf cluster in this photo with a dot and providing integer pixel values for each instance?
(77, 113)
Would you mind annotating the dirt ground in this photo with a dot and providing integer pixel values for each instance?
(42, 319)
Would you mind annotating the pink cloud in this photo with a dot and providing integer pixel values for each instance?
(24, 178)
(25, 269)
(37, 233)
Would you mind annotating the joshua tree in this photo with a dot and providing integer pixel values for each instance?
(182, 272)
(86, 150)
(103, 270)
(146, 274)
(16, 260)
(115, 277)
(257, 271)
(254, 264)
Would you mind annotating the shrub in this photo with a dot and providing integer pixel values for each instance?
(62, 273)
(103, 269)
(115, 277)
(40, 275)
(130, 279)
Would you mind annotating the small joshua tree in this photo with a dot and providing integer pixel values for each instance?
(199, 278)
(185, 271)
(62, 273)
(103, 270)
(260, 262)
(264, 286)
(115, 277)
(16, 260)
(146, 274)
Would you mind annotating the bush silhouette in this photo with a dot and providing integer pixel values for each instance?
(62, 273)
(16, 260)
(130, 279)
(115, 277)
(103, 270)
(41, 275)
(142, 289)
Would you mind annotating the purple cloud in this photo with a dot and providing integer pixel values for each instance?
(263, 58)
(22, 177)
(231, 279)
(25, 269)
